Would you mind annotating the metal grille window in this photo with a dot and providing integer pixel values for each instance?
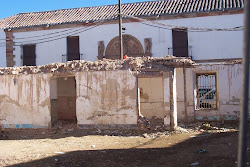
(206, 91)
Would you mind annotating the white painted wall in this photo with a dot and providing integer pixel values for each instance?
(205, 45)
(2, 49)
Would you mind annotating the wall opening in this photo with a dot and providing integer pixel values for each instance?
(151, 101)
(180, 42)
(73, 48)
(29, 55)
(206, 91)
(63, 100)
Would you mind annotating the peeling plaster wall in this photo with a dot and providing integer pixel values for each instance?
(24, 101)
(2, 50)
(106, 98)
(151, 97)
(229, 78)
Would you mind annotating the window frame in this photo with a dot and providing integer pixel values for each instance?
(197, 106)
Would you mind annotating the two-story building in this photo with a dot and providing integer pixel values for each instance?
(169, 89)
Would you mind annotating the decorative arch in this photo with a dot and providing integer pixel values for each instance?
(132, 47)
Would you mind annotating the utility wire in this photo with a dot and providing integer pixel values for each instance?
(183, 28)
(142, 21)
(114, 16)
(42, 35)
(72, 33)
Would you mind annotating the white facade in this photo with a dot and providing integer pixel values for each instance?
(2, 49)
(52, 44)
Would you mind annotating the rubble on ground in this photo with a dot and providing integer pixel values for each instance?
(3, 135)
(145, 129)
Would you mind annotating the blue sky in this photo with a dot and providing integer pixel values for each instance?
(8, 8)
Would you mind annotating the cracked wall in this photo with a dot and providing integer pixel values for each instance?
(229, 78)
(24, 101)
(106, 98)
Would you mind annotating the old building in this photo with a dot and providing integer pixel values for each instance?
(206, 30)
(200, 82)
(102, 93)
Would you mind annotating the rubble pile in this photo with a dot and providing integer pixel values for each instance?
(134, 64)
(3, 135)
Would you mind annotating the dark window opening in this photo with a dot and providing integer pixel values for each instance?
(29, 55)
(206, 91)
(73, 49)
(180, 42)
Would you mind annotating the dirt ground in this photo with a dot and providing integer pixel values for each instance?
(194, 145)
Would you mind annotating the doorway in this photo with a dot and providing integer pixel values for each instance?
(151, 101)
(63, 100)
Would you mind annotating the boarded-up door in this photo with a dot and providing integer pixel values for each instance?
(29, 55)
(180, 43)
(151, 97)
(73, 50)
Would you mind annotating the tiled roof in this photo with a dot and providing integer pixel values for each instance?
(148, 8)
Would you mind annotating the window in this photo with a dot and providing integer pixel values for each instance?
(206, 91)
(73, 48)
(29, 55)
(180, 42)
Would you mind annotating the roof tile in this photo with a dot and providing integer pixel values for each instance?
(138, 9)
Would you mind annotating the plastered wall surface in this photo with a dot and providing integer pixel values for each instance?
(229, 78)
(106, 98)
(25, 101)
(205, 45)
(2, 49)
(151, 97)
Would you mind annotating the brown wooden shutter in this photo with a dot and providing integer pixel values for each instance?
(180, 43)
(73, 50)
(29, 55)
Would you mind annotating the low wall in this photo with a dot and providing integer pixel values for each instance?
(228, 82)
(106, 98)
(24, 101)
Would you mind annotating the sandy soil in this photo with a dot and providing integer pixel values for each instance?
(68, 146)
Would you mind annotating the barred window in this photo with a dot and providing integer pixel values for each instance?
(206, 91)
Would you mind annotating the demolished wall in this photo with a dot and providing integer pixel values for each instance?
(107, 98)
(24, 101)
(228, 86)
(106, 91)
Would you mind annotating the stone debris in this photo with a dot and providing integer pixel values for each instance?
(211, 127)
(3, 135)
(134, 64)
(195, 164)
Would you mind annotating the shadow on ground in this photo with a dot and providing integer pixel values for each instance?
(218, 149)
